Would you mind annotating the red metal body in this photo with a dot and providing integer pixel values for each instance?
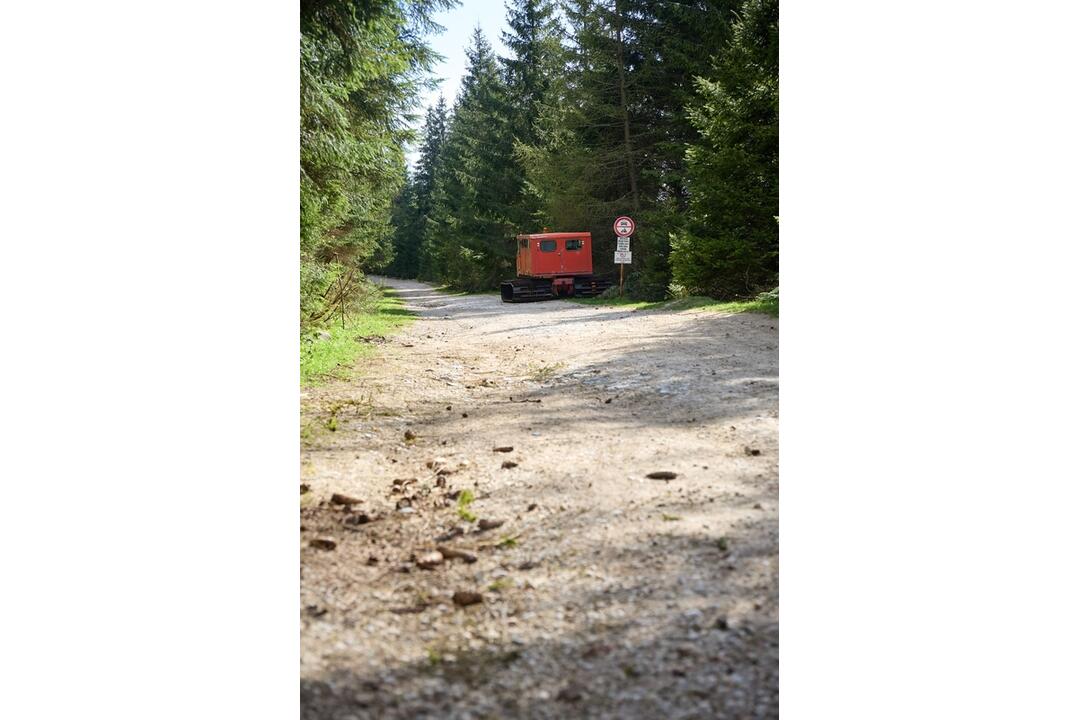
(551, 265)
(548, 255)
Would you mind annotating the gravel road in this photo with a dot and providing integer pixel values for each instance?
(603, 593)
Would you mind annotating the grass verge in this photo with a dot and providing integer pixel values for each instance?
(332, 352)
(766, 305)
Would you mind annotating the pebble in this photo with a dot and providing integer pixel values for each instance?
(464, 598)
(430, 560)
(358, 519)
(451, 554)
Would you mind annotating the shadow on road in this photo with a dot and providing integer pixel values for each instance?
(717, 664)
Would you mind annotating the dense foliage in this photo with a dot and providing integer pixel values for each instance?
(468, 238)
(666, 110)
(362, 63)
(730, 245)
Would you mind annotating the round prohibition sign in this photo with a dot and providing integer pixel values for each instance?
(624, 226)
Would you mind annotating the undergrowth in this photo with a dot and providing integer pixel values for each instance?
(331, 351)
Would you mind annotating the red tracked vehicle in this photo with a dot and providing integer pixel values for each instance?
(551, 265)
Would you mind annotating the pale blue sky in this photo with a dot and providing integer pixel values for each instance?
(459, 23)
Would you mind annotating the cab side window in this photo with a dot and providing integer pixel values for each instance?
(574, 244)
(523, 243)
(547, 246)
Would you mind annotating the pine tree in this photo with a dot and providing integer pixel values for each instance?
(413, 206)
(577, 164)
(731, 246)
(613, 132)
(662, 109)
(537, 59)
(468, 240)
(407, 223)
(362, 63)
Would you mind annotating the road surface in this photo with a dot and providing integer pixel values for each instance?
(604, 593)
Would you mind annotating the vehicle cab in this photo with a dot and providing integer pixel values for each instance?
(550, 254)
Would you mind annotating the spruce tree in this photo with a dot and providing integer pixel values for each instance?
(468, 240)
(536, 51)
(730, 248)
(612, 132)
(536, 61)
(414, 205)
(362, 63)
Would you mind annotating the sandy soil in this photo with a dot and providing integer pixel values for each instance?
(604, 593)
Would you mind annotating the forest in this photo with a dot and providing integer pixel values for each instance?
(666, 110)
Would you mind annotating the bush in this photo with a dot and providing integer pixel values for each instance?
(649, 284)
(327, 290)
(610, 294)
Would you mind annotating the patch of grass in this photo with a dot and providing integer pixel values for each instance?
(470, 667)
(761, 304)
(465, 499)
(765, 303)
(623, 302)
(507, 542)
(332, 351)
(541, 373)
(670, 518)
(499, 585)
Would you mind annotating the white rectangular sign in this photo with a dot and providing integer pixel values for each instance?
(622, 257)
(623, 244)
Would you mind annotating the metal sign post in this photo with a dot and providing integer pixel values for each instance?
(624, 227)
(622, 259)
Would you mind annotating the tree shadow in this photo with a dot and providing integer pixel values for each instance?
(675, 623)
(658, 648)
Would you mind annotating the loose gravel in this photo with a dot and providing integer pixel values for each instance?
(551, 577)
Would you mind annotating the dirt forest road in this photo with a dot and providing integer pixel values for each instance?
(603, 593)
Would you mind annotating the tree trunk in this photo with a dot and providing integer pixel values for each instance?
(625, 111)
